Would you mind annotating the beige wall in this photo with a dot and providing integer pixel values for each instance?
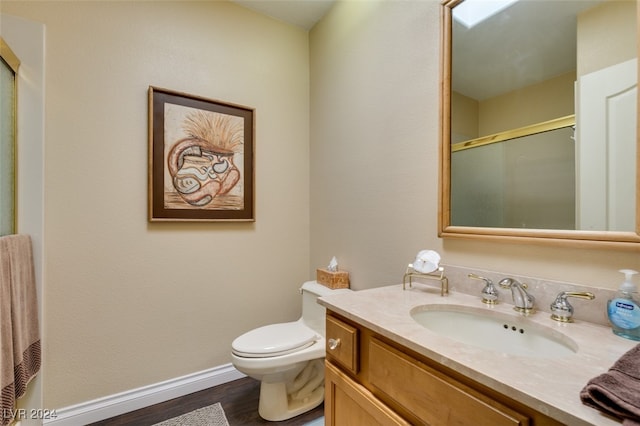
(128, 303)
(601, 44)
(553, 98)
(464, 118)
(374, 137)
(374, 145)
(534, 104)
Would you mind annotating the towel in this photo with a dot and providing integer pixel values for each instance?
(617, 392)
(20, 356)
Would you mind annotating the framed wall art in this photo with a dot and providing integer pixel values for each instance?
(201, 158)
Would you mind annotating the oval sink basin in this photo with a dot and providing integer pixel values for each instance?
(494, 331)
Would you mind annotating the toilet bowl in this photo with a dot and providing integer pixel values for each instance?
(287, 358)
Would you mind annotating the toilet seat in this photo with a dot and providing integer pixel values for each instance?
(274, 340)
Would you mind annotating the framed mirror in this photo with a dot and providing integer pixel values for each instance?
(9, 64)
(539, 133)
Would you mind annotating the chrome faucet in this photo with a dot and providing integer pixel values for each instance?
(489, 292)
(522, 300)
(561, 309)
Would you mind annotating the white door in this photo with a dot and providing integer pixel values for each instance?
(606, 148)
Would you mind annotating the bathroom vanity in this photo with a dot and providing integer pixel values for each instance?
(384, 367)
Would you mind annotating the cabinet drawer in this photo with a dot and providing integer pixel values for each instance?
(349, 403)
(342, 344)
(430, 395)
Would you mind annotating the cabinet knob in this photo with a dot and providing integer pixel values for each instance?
(334, 343)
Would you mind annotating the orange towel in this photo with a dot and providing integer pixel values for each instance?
(20, 355)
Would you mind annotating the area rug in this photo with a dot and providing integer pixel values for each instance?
(213, 415)
(316, 422)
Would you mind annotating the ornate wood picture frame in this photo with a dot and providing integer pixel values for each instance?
(201, 159)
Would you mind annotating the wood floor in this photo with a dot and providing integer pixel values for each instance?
(239, 400)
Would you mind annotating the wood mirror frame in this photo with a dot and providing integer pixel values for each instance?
(623, 240)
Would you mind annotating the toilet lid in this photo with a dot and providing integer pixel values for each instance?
(274, 340)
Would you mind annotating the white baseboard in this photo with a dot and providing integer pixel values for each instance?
(124, 402)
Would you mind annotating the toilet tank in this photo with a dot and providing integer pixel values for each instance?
(313, 314)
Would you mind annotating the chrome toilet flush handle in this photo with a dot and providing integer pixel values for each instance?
(561, 309)
(333, 344)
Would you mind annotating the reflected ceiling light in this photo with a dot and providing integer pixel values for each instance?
(471, 12)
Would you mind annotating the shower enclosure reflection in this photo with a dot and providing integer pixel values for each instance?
(524, 182)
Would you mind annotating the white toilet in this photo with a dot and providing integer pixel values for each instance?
(287, 358)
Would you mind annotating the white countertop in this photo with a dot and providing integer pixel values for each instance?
(550, 386)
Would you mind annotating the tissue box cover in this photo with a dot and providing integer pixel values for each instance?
(338, 279)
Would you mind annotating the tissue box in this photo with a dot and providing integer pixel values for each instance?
(338, 279)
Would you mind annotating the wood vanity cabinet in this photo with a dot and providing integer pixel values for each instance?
(371, 380)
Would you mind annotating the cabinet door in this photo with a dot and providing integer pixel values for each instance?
(349, 404)
(436, 399)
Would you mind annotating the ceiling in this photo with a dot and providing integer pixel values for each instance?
(301, 13)
(546, 35)
(527, 43)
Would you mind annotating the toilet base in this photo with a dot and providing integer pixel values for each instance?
(281, 401)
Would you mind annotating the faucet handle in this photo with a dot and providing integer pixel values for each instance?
(561, 309)
(489, 292)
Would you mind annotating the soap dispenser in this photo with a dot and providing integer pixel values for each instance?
(624, 308)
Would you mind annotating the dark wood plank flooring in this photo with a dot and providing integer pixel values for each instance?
(239, 400)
